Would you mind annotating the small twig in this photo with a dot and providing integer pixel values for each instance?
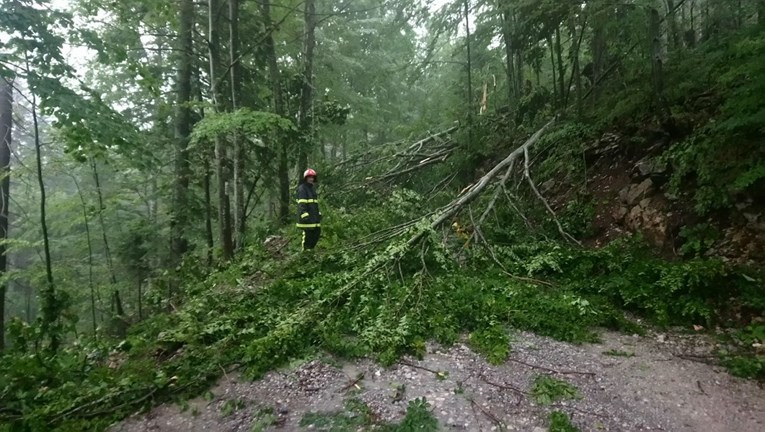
(529, 280)
(705, 359)
(701, 389)
(565, 372)
(505, 387)
(497, 422)
(426, 369)
(353, 383)
(544, 201)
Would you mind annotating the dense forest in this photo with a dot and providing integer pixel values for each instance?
(543, 165)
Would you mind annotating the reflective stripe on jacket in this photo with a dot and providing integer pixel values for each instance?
(309, 215)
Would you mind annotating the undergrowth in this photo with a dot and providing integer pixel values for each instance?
(388, 299)
(559, 422)
(332, 304)
(358, 417)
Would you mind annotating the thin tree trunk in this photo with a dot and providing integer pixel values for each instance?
(239, 153)
(306, 93)
(576, 69)
(553, 69)
(91, 283)
(51, 307)
(512, 95)
(179, 221)
(140, 299)
(207, 156)
(276, 89)
(209, 234)
(119, 322)
(674, 33)
(221, 158)
(469, 62)
(599, 48)
(561, 68)
(656, 58)
(6, 140)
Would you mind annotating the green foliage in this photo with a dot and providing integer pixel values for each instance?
(560, 422)
(493, 342)
(750, 361)
(745, 366)
(547, 390)
(263, 419)
(253, 125)
(724, 157)
(357, 416)
(418, 418)
(697, 239)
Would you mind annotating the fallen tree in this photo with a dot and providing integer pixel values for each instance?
(403, 161)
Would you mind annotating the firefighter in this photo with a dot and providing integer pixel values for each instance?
(309, 216)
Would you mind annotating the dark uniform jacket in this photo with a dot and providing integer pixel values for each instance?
(308, 207)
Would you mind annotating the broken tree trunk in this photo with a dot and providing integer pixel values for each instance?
(475, 190)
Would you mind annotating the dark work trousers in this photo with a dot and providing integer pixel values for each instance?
(311, 237)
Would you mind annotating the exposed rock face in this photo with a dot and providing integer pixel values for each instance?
(636, 192)
(642, 209)
(650, 217)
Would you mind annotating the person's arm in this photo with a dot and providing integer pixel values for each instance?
(302, 204)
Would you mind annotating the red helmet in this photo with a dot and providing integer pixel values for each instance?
(309, 173)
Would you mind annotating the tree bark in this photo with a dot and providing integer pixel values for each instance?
(674, 33)
(6, 140)
(239, 153)
(507, 36)
(91, 282)
(561, 67)
(553, 69)
(51, 305)
(179, 221)
(276, 88)
(221, 157)
(119, 321)
(306, 92)
(654, 32)
(469, 63)
(576, 67)
(599, 47)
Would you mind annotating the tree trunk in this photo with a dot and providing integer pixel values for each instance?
(209, 234)
(654, 32)
(6, 139)
(674, 33)
(91, 283)
(221, 157)
(576, 69)
(140, 299)
(469, 63)
(276, 88)
(599, 47)
(561, 67)
(507, 36)
(179, 220)
(239, 153)
(119, 321)
(690, 34)
(306, 92)
(553, 69)
(51, 305)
